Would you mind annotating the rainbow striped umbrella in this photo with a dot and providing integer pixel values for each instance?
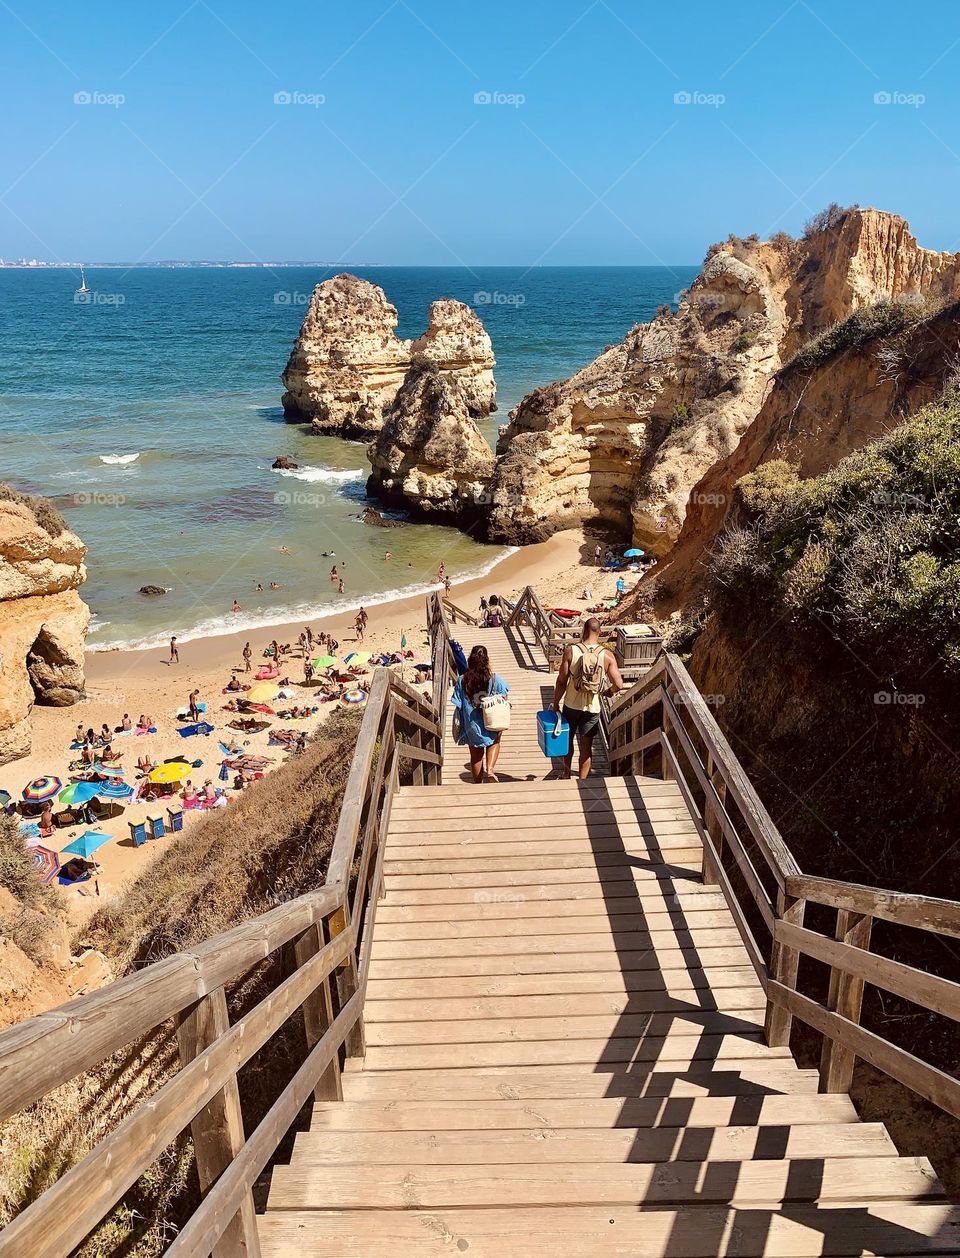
(353, 695)
(41, 789)
(47, 862)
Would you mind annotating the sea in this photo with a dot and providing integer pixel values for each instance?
(149, 412)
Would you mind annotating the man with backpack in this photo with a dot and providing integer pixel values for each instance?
(587, 670)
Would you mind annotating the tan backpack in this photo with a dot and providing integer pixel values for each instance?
(588, 671)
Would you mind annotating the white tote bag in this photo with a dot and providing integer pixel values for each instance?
(495, 710)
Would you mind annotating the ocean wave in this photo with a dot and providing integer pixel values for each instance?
(326, 475)
(248, 622)
(119, 458)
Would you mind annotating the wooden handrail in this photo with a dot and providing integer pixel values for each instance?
(664, 718)
(457, 613)
(331, 928)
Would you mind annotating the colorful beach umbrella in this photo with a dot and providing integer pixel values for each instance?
(109, 771)
(166, 774)
(324, 661)
(41, 789)
(47, 862)
(115, 790)
(260, 707)
(263, 692)
(356, 657)
(353, 695)
(79, 792)
(86, 845)
(634, 553)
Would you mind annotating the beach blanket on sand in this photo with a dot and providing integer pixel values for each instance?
(188, 731)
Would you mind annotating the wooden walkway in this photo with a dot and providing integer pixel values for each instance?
(565, 1050)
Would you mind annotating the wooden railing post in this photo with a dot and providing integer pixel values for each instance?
(666, 769)
(713, 823)
(218, 1128)
(784, 963)
(348, 981)
(318, 1012)
(845, 997)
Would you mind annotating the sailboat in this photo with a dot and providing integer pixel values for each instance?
(83, 283)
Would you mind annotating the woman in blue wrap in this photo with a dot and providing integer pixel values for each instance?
(477, 681)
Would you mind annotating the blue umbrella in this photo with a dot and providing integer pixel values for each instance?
(114, 790)
(634, 553)
(87, 844)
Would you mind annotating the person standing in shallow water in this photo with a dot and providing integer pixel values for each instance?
(482, 743)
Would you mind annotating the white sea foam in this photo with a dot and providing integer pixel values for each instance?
(119, 458)
(326, 475)
(220, 626)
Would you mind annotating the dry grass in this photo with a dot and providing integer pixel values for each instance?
(270, 845)
(44, 512)
(26, 923)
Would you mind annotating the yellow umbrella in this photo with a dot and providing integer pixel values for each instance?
(167, 773)
(263, 692)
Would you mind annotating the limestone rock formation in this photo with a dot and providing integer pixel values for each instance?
(430, 456)
(626, 439)
(348, 363)
(43, 622)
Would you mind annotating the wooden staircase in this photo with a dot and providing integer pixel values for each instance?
(565, 1049)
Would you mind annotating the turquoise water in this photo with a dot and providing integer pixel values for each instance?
(181, 367)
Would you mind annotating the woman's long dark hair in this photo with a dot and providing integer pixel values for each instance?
(476, 680)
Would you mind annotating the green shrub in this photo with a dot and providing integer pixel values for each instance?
(871, 549)
(18, 874)
(745, 339)
(827, 219)
(869, 323)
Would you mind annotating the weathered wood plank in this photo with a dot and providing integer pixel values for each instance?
(925, 912)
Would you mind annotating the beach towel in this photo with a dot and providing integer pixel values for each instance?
(188, 731)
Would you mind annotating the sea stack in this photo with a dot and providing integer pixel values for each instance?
(430, 457)
(43, 621)
(348, 363)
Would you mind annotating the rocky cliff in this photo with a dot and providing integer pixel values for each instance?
(430, 456)
(43, 621)
(348, 363)
(624, 441)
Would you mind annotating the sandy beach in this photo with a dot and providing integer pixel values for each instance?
(145, 681)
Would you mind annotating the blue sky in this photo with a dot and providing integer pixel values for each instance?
(581, 155)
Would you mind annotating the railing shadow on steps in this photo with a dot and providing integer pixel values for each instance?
(663, 726)
(329, 933)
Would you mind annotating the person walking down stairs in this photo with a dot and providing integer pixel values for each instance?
(587, 670)
(482, 713)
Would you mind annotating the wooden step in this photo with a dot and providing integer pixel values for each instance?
(602, 863)
(674, 1051)
(602, 941)
(599, 835)
(559, 962)
(599, 1112)
(696, 985)
(542, 1005)
(577, 876)
(498, 916)
(566, 1026)
(518, 927)
(645, 886)
(733, 1077)
(540, 1145)
(403, 1187)
(626, 1232)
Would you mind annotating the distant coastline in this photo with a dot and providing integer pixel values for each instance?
(173, 264)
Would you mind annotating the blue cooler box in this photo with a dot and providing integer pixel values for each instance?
(552, 744)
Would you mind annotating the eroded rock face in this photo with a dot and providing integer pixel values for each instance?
(625, 440)
(43, 621)
(348, 363)
(430, 456)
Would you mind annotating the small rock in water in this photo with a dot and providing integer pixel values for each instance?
(152, 589)
(369, 516)
(283, 464)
